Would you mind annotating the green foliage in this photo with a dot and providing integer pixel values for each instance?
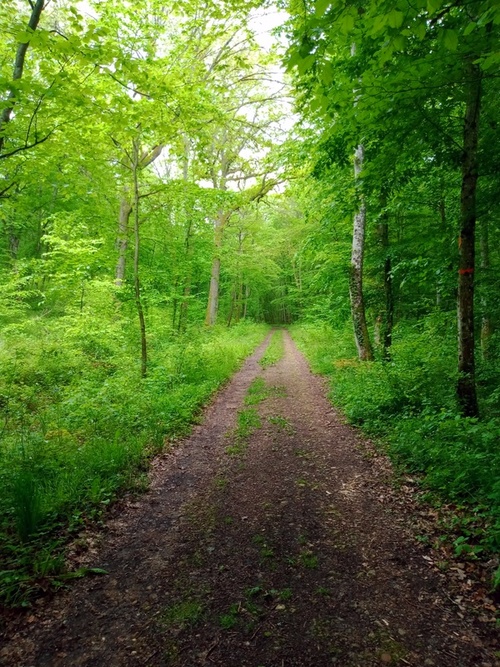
(79, 425)
(229, 620)
(259, 391)
(409, 401)
(275, 350)
(247, 421)
(183, 614)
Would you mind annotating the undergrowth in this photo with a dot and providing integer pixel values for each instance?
(259, 391)
(275, 350)
(247, 421)
(79, 426)
(409, 403)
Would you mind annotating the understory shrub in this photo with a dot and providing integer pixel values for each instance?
(79, 424)
(409, 401)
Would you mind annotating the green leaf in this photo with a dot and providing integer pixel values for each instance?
(386, 53)
(23, 36)
(450, 40)
(378, 24)
(306, 63)
(321, 6)
(81, 572)
(420, 30)
(347, 23)
(399, 42)
(395, 18)
(433, 6)
(327, 74)
(293, 60)
(491, 61)
(469, 28)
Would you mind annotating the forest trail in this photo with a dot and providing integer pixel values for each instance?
(268, 538)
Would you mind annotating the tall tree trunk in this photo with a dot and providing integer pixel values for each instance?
(6, 115)
(122, 240)
(137, 285)
(213, 295)
(188, 277)
(466, 386)
(175, 302)
(486, 323)
(239, 301)
(183, 313)
(388, 317)
(136, 163)
(361, 336)
(442, 216)
(14, 241)
(245, 305)
(231, 307)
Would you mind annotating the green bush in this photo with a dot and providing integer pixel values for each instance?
(79, 423)
(410, 402)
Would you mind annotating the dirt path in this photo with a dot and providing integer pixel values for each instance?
(276, 549)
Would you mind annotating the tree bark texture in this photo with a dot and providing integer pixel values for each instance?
(122, 240)
(136, 163)
(361, 336)
(22, 49)
(137, 285)
(387, 321)
(466, 386)
(183, 313)
(213, 294)
(245, 305)
(486, 323)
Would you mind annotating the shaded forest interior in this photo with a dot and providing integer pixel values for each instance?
(172, 182)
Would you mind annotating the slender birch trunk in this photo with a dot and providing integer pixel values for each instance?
(213, 294)
(466, 386)
(141, 161)
(123, 236)
(486, 323)
(6, 115)
(137, 285)
(387, 321)
(245, 305)
(183, 313)
(361, 336)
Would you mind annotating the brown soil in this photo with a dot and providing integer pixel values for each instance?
(287, 548)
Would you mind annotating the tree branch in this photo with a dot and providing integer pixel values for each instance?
(26, 147)
(22, 48)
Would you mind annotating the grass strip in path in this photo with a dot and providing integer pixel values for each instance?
(302, 559)
(275, 350)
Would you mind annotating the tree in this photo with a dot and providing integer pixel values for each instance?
(415, 64)
(19, 62)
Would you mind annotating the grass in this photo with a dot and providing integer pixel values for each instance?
(409, 404)
(275, 350)
(265, 550)
(183, 614)
(281, 423)
(309, 560)
(259, 391)
(248, 421)
(79, 426)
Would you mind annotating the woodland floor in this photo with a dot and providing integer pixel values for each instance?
(289, 548)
